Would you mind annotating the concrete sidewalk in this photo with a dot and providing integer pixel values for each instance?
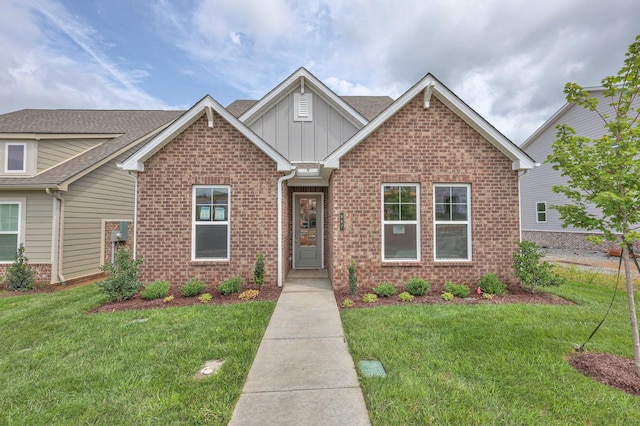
(303, 373)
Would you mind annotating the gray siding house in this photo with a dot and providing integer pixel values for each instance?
(540, 222)
(60, 189)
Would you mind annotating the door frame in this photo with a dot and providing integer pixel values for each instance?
(319, 230)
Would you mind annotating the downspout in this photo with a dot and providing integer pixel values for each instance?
(135, 210)
(520, 175)
(280, 181)
(59, 236)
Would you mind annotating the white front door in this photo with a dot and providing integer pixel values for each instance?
(307, 231)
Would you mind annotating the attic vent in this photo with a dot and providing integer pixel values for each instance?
(302, 107)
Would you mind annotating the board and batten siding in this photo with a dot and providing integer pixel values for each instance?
(53, 152)
(535, 186)
(107, 193)
(303, 140)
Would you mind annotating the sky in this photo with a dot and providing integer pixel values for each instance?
(507, 59)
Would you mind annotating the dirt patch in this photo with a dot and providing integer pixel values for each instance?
(608, 369)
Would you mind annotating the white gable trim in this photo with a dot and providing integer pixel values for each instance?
(205, 106)
(432, 87)
(303, 80)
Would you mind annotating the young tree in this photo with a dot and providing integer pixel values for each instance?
(604, 172)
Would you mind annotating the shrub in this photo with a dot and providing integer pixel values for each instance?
(122, 277)
(20, 276)
(205, 298)
(249, 294)
(406, 296)
(192, 287)
(155, 289)
(487, 296)
(491, 284)
(459, 290)
(347, 303)
(167, 299)
(258, 271)
(447, 296)
(532, 273)
(353, 279)
(370, 298)
(417, 286)
(385, 290)
(232, 285)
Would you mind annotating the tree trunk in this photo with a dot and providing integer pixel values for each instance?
(632, 309)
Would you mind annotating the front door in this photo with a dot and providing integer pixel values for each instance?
(307, 231)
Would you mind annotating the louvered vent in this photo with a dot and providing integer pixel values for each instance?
(302, 107)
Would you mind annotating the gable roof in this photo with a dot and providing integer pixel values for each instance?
(125, 128)
(294, 81)
(206, 105)
(431, 86)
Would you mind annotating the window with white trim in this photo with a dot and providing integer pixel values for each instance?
(210, 224)
(400, 222)
(541, 212)
(9, 230)
(15, 158)
(452, 233)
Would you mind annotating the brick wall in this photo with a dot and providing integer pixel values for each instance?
(201, 155)
(424, 146)
(42, 273)
(570, 241)
(110, 226)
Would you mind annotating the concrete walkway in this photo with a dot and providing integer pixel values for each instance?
(303, 373)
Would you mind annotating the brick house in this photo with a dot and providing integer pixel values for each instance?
(420, 186)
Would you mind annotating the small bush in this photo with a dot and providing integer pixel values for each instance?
(458, 290)
(249, 294)
(385, 290)
(487, 296)
(347, 303)
(406, 296)
(192, 287)
(532, 273)
(491, 284)
(353, 279)
(417, 286)
(155, 289)
(370, 298)
(20, 276)
(167, 299)
(230, 286)
(447, 296)
(258, 271)
(205, 298)
(122, 277)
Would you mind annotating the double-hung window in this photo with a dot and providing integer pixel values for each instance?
(9, 230)
(400, 222)
(452, 207)
(541, 212)
(15, 157)
(211, 218)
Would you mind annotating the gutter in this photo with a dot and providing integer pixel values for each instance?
(280, 182)
(58, 236)
(520, 175)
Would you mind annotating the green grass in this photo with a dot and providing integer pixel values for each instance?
(491, 363)
(59, 365)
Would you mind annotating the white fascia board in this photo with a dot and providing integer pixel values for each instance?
(136, 161)
(293, 82)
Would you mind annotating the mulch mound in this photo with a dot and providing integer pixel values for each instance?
(608, 369)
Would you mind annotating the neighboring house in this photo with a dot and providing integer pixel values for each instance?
(60, 189)
(541, 223)
(420, 186)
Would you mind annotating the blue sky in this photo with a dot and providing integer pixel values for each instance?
(508, 59)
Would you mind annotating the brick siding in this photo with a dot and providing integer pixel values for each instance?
(42, 273)
(570, 241)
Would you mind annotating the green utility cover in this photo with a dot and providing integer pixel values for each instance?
(372, 369)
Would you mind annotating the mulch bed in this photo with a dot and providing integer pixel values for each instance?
(608, 369)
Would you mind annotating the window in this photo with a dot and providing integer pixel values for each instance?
(210, 230)
(400, 218)
(15, 157)
(541, 212)
(9, 230)
(452, 207)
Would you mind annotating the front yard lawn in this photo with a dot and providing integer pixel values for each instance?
(492, 363)
(59, 365)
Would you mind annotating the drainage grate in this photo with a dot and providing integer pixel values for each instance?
(372, 369)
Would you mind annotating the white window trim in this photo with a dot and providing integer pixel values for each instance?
(24, 157)
(546, 212)
(449, 222)
(226, 223)
(22, 215)
(401, 222)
